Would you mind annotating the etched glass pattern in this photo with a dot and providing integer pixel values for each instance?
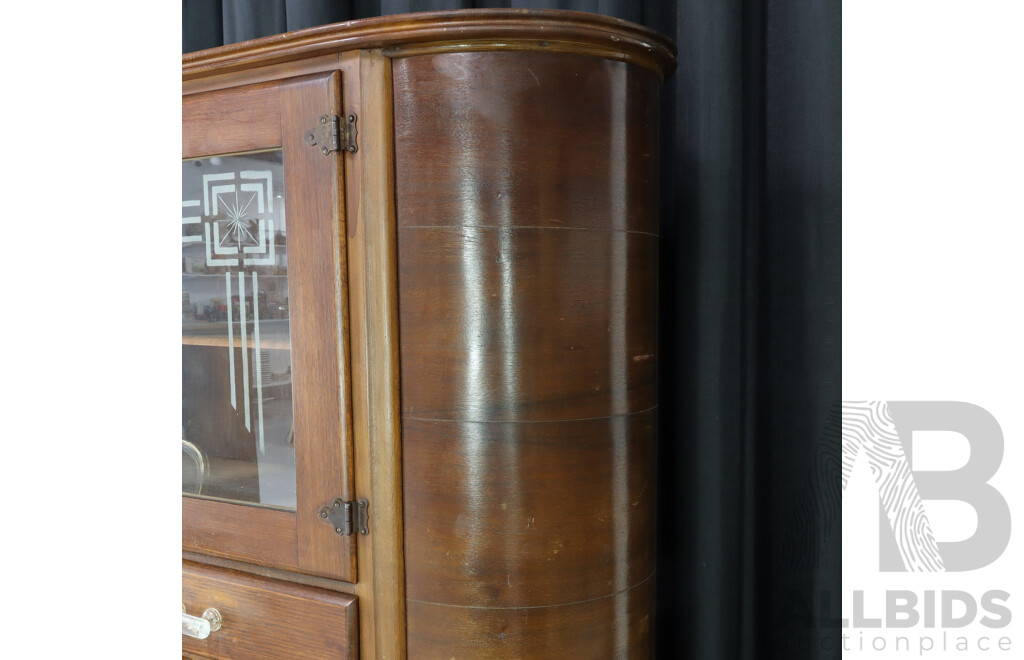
(237, 435)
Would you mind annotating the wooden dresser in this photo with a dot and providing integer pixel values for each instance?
(419, 339)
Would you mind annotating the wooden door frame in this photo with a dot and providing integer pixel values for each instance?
(266, 116)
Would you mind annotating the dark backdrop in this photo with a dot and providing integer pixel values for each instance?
(749, 562)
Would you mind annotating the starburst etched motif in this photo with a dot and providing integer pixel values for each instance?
(238, 226)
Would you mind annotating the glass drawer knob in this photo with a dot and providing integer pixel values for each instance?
(200, 627)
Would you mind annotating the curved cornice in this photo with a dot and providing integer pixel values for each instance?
(449, 31)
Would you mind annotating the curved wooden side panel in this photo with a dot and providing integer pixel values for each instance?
(526, 139)
(527, 324)
(527, 283)
(514, 514)
(616, 626)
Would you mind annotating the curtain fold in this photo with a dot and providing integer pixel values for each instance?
(749, 559)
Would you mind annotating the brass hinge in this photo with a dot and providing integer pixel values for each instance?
(332, 134)
(347, 516)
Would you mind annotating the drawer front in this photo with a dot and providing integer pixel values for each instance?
(267, 618)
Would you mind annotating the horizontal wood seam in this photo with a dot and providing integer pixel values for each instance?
(539, 607)
(527, 421)
(270, 572)
(610, 231)
(246, 503)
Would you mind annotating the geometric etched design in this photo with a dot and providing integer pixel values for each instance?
(235, 299)
(238, 230)
(190, 220)
(238, 208)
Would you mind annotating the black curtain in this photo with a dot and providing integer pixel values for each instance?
(749, 541)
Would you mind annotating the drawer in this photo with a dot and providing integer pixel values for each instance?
(267, 618)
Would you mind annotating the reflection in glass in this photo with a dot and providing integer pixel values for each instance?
(237, 436)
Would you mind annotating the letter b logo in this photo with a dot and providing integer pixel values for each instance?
(883, 431)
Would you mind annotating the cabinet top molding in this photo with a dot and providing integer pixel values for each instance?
(403, 35)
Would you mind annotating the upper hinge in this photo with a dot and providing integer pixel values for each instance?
(333, 134)
(347, 517)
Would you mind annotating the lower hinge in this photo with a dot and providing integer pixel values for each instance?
(334, 134)
(347, 516)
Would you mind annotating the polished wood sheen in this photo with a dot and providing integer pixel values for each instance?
(524, 325)
(563, 513)
(266, 619)
(527, 140)
(474, 339)
(616, 626)
(216, 123)
(448, 31)
(527, 262)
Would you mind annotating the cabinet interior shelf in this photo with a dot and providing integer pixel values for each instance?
(223, 341)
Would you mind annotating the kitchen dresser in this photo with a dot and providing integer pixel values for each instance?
(419, 339)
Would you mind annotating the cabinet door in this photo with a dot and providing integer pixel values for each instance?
(266, 433)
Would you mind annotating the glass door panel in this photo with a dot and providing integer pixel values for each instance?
(238, 440)
(266, 436)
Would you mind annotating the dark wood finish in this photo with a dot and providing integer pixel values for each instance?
(527, 324)
(221, 123)
(508, 151)
(297, 540)
(489, 229)
(616, 626)
(289, 69)
(478, 302)
(526, 514)
(246, 533)
(490, 29)
(268, 619)
(317, 286)
(527, 263)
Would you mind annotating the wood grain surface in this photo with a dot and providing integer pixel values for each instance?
(226, 530)
(370, 222)
(527, 262)
(491, 29)
(266, 619)
(318, 293)
(258, 117)
(616, 626)
(529, 514)
(527, 324)
(530, 139)
(226, 122)
(503, 321)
